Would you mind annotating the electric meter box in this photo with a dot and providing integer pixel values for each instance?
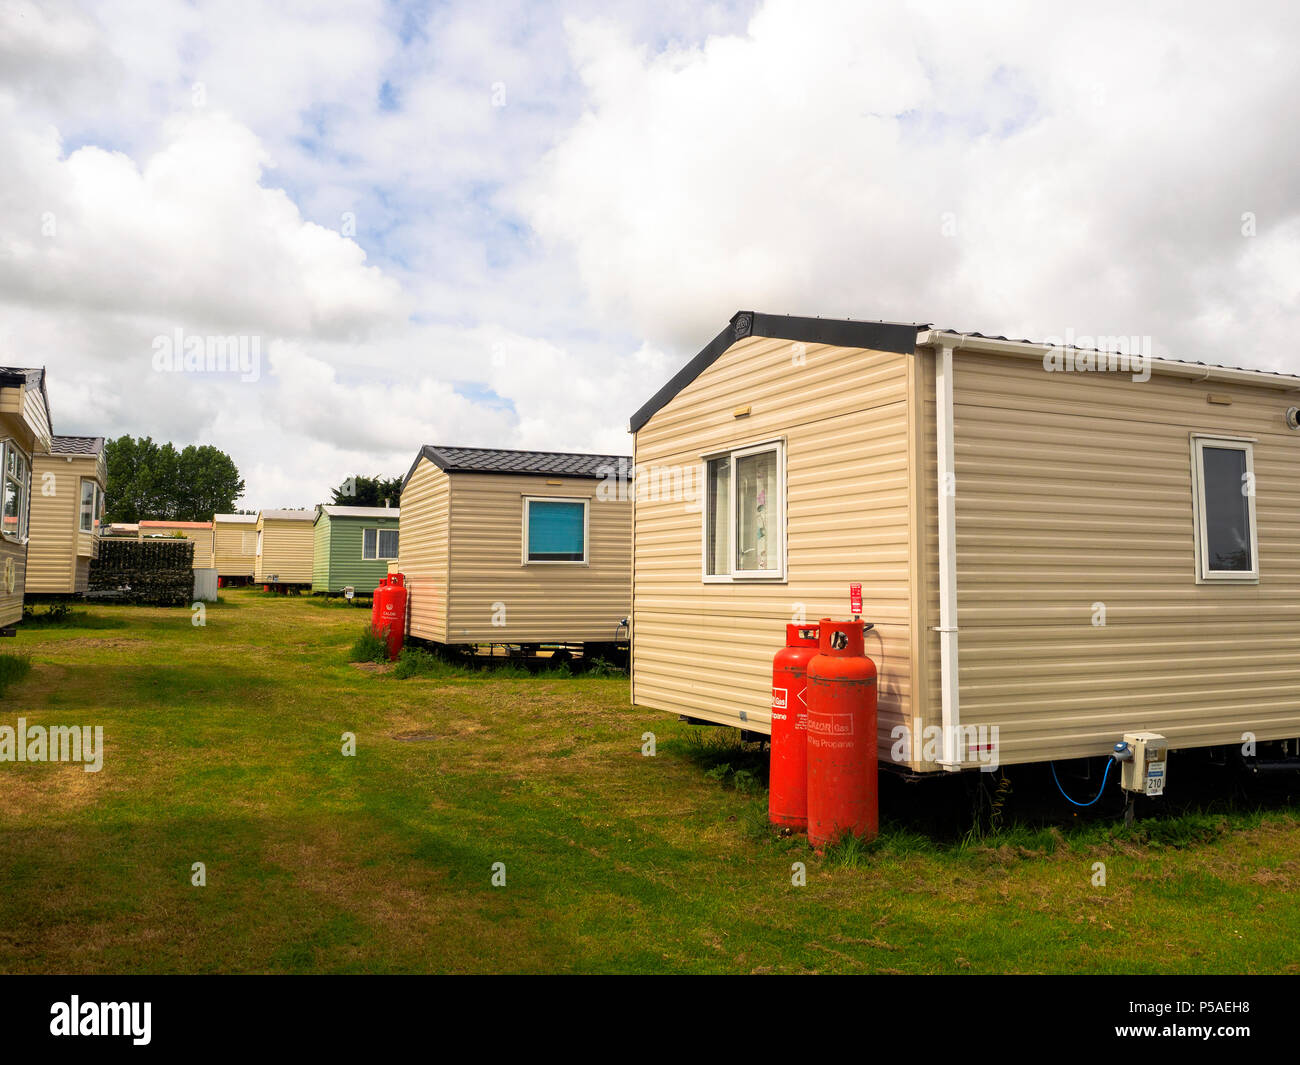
(1145, 771)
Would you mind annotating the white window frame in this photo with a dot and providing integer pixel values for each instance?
(586, 532)
(25, 485)
(377, 557)
(778, 539)
(1205, 575)
(96, 504)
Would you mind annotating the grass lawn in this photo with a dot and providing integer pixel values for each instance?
(223, 747)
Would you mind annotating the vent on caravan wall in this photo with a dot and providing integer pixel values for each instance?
(1293, 418)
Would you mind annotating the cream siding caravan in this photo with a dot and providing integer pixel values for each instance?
(24, 433)
(284, 547)
(1057, 544)
(516, 547)
(234, 544)
(66, 511)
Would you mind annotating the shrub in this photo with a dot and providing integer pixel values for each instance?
(600, 667)
(57, 613)
(369, 648)
(417, 662)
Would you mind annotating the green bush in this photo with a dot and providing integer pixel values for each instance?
(13, 668)
(58, 612)
(600, 667)
(417, 662)
(369, 648)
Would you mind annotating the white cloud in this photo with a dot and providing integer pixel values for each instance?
(528, 275)
(1093, 166)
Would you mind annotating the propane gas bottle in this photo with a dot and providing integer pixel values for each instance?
(787, 795)
(842, 771)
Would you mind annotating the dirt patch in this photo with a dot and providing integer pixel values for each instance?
(44, 788)
(109, 643)
(373, 667)
(413, 737)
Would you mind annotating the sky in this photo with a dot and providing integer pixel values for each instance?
(507, 224)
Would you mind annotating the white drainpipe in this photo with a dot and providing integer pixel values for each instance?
(947, 627)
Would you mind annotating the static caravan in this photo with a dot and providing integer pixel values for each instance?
(284, 547)
(516, 547)
(198, 531)
(67, 508)
(234, 545)
(122, 530)
(1058, 546)
(24, 433)
(353, 547)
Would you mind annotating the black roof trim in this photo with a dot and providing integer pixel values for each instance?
(837, 332)
(521, 463)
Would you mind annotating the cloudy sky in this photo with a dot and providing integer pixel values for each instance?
(507, 224)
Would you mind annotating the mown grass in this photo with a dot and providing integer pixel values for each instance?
(223, 746)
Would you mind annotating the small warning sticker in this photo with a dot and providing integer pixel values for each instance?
(855, 599)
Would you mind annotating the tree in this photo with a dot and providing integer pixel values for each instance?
(360, 491)
(155, 482)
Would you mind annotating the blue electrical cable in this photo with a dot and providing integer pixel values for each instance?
(1104, 776)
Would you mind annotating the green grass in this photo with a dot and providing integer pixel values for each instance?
(13, 668)
(222, 746)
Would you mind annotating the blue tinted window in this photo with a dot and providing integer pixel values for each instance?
(556, 531)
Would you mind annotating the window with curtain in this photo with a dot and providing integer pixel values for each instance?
(555, 530)
(378, 544)
(744, 513)
(17, 485)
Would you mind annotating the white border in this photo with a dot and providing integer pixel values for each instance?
(1205, 575)
(778, 541)
(378, 557)
(586, 532)
(24, 518)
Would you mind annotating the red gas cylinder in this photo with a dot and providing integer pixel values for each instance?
(842, 795)
(388, 612)
(787, 795)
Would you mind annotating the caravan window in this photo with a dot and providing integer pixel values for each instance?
(17, 485)
(378, 544)
(92, 506)
(744, 513)
(555, 530)
(1223, 487)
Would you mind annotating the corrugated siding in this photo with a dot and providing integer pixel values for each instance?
(422, 545)
(338, 561)
(705, 650)
(320, 554)
(54, 539)
(31, 430)
(1075, 489)
(11, 603)
(231, 559)
(34, 414)
(286, 551)
(547, 603)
